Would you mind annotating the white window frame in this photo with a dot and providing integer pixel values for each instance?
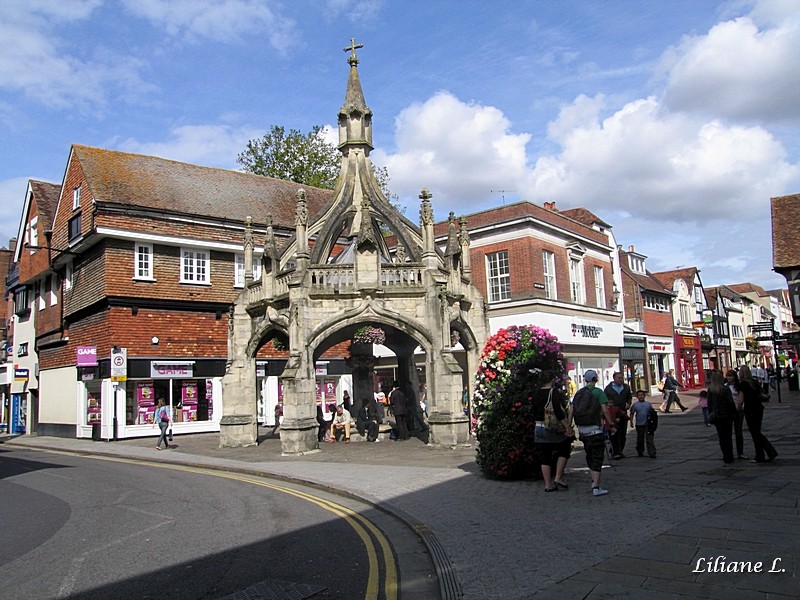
(195, 266)
(238, 272)
(636, 264)
(76, 198)
(143, 271)
(498, 276)
(685, 315)
(576, 280)
(549, 271)
(599, 287)
(68, 271)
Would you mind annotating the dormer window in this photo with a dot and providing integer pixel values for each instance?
(636, 264)
(76, 198)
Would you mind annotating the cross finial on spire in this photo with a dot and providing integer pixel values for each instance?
(353, 59)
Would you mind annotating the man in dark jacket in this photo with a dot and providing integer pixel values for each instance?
(619, 395)
(399, 401)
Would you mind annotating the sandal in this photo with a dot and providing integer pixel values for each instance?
(562, 485)
(552, 489)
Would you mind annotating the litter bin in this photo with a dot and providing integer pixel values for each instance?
(792, 377)
(96, 432)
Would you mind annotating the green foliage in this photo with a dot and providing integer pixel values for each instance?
(507, 375)
(306, 159)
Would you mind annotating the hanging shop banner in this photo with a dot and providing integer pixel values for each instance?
(145, 393)
(22, 375)
(189, 392)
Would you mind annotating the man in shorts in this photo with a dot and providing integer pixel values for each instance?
(591, 431)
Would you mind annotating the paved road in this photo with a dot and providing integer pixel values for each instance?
(134, 529)
(494, 539)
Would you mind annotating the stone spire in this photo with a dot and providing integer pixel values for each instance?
(355, 118)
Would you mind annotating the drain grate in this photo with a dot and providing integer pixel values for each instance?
(276, 590)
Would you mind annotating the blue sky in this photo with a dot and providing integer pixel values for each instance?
(673, 121)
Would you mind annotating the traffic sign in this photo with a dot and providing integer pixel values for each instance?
(119, 364)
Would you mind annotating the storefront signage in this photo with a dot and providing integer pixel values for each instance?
(22, 375)
(632, 341)
(169, 370)
(688, 342)
(659, 346)
(590, 331)
(321, 368)
(87, 356)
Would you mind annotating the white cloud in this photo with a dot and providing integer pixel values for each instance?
(32, 59)
(208, 145)
(12, 197)
(647, 161)
(739, 70)
(459, 151)
(219, 20)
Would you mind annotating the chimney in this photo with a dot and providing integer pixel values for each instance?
(631, 248)
(12, 244)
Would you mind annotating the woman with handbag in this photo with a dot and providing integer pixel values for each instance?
(553, 434)
(750, 393)
(721, 413)
(161, 418)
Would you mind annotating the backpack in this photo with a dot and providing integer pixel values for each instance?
(652, 420)
(585, 408)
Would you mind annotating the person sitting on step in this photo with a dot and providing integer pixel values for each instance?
(340, 425)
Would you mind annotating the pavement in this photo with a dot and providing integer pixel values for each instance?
(682, 525)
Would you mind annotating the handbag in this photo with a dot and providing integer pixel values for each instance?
(550, 419)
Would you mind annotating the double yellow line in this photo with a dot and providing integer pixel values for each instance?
(363, 527)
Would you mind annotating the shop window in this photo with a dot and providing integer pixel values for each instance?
(188, 400)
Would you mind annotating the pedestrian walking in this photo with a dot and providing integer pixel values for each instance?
(589, 411)
(620, 396)
(643, 418)
(162, 419)
(722, 412)
(671, 387)
(750, 393)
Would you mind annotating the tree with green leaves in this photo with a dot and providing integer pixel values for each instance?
(306, 159)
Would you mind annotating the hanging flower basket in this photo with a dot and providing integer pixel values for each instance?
(369, 335)
(507, 373)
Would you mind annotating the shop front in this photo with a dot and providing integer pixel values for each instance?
(587, 343)
(333, 378)
(660, 359)
(632, 359)
(191, 389)
(689, 360)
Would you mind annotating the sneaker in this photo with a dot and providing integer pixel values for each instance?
(376, 440)
(598, 491)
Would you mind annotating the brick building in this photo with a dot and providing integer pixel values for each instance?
(142, 256)
(647, 306)
(541, 266)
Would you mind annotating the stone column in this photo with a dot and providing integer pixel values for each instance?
(362, 362)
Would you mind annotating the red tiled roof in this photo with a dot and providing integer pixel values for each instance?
(520, 210)
(744, 288)
(785, 231)
(583, 215)
(120, 178)
(668, 278)
(46, 197)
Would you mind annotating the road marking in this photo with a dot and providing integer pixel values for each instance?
(364, 528)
